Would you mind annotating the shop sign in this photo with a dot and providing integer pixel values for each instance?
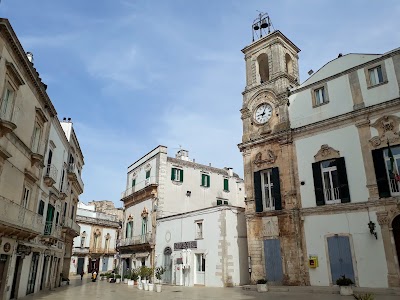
(185, 245)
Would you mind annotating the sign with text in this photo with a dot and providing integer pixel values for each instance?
(185, 245)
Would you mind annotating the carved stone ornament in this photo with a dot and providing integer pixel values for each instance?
(145, 213)
(97, 232)
(107, 236)
(387, 217)
(147, 167)
(271, 158)
(130, 218)
(326, 152)
(388, 130)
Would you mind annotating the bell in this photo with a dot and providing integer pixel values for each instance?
(264, 25)
(256, 27)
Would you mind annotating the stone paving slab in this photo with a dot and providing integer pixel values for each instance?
(102, 290)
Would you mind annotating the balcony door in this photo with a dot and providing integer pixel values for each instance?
(49, 219)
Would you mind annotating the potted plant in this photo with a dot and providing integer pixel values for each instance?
(363, 296)
(135, 276)
(118, 278)
(345, 284)
(126, 278)
(102, 276)
(159, 272)
(150, 283)
(262, 285)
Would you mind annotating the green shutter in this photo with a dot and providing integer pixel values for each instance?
(173, 174)
(225, 202)
(181, 179)
(226, 185)
(133, 182)
(208, 181)
(148, 174)
(219, 202)
(202, 179)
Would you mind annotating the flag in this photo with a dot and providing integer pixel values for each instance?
(393, 169)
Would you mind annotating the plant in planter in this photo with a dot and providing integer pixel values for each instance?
(118, 278)
(126, 278)
(364, 297)
(345, 285)
(102, 275)
(150, 272)
(135, 275)
(159, 272)
(262, 285)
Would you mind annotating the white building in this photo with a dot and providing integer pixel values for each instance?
(95, 247)
(160, 186)
(342, 119)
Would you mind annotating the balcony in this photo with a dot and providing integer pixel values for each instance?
(137, 240)
(138, 187)
(78, 250)
(17, 220)
(50, 176)
(8, 120)
(52, 233)
(75, 177)
(71, 227)
(37, 154)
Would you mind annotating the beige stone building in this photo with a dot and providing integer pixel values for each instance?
(272, 208)
(39, 183)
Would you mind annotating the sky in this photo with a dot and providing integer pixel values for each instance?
(135, 74)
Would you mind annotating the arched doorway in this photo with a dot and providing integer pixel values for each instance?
(396, 234)
(167, 262)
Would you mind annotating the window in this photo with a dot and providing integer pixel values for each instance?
(41, 208)
(65, 208)
(57, 217)
(26, 197)
(144, 226)
(200, 262)
(37, 131)
(319, 96)
(288, 64)
(263, 67)
(226, 184)
(133, 182)
(375, 75)
(83, 238)
(199, 229)
(72, 212)
(7, 105)
(267, 192)
(387, 179)
(62, 180)
(177, 174)
(129, 229)
(221, 201)
(205, 180)
(148, 174)
(330, 181)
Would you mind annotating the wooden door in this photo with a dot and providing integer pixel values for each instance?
(340, 258)
(273, 260)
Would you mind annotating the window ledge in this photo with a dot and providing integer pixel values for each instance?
(318, 105)
(226, 191)
(204, 187)
(376, 85)
(176, 182)
(199, 239)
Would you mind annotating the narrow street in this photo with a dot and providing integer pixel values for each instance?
(87, 290)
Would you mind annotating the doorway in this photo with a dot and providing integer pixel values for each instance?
(16, 277)
(32, 274)
(167, 276)
(200, 269)
(3, 273)
(340, 258)
(105, 264)
(273, 260)
(42, 280)
(396, 236)
(81, 262)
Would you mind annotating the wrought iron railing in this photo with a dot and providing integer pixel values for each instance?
(72, 168)
(394, 187)
(332, 194)
(137, 240)
(51, 171)
(138, 186)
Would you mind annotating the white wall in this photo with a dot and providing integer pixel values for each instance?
(135, 211)
(369, 262)
(346, 141)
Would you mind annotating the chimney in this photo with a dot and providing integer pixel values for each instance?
(30, 56)
(230, 171)
(64, 119)
(69, 119)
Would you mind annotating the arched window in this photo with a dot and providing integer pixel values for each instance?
(263, 67)
(289, 64)
(83, 238)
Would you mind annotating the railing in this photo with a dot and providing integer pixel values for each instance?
(73, 225)
(137, 240)
(51, 171)
(10, 115)
(73, 169)
(17, 215)
(332, 194)
(52, 229)
(394, 187)
(138, 186)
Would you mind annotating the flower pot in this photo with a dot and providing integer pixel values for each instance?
(140, 286)
(126, 280)
(346, 290)
(158, 288)
(146, 287)
(261, 288)
(151, 287)
(118, 280)
(130, 282)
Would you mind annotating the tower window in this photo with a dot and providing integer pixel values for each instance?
(288, 64)
(263, 67)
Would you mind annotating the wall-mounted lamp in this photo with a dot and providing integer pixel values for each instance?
(371, 226)
(188, 193)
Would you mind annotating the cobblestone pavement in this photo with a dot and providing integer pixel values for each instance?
(87, 290)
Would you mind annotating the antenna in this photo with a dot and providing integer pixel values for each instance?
(260, 25)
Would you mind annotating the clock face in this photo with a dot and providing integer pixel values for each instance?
(263, 113)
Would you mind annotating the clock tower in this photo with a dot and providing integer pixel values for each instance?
(274, 228)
